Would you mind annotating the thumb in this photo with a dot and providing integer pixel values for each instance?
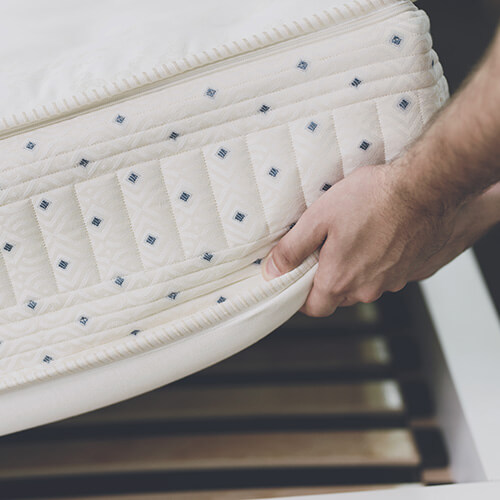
(300, 242)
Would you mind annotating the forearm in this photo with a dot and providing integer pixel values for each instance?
(458, 156)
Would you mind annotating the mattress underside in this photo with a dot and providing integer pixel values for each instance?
(140, 222)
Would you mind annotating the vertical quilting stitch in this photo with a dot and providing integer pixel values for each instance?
(254, 177)
(125, 209)
(44, 244)
(377, 114)
(296, 162)
(84, 224)
(212, 194)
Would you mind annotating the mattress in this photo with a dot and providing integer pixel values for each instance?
(135, 215)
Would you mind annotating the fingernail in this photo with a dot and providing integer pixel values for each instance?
(270, 269)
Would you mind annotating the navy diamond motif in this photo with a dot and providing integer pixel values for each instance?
(396, 40)
(119, 119)
(119, 280)
(133, 178)
(302, 65)
(8, 247)
(83, 162)
(312, 126)
(210, 93)
(356, 82)
(184, 196)
(47, 359)
(239, 216)
(151, 239)
(208, 256)
(96, 221)
(264, 108)
(31, 304)
(364, 145)
(135, 332)
(63, 264)
(30, 145)
(404, 103)
(83, 320)
(257, 261)
(326, 186)
(172, 295)
(174, 136)
(221, 299)
(222, 153)
(273, 172)
(44, 204)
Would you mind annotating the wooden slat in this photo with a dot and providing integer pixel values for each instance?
(176, 403)
(376, 448)
(354, 317)
(241, 494)
(299, 355)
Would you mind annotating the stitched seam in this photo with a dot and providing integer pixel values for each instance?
(235, 250)
(212, 194)
(377, 115)
(254, 177)
(44, 244)
(171, 209)
(105, 315)
(173, 331)
(11, 283)
(225, 125)
(116, 180)
(334, 126)
(297, 166)
(99, 276)
(243, 101)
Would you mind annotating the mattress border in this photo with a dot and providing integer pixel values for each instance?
(75, 393)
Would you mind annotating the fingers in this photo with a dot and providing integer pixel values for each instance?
(300, 242)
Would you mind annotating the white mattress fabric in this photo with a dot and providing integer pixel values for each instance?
(135, 215)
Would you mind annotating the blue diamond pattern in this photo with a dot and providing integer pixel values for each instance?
(273, 172)
(356, 82)
(8, 247)
(302, 65)
(239, 216)
(133, 178)
(184, 196)
(364, 145)
(222, 153)
(151, 239)
(211, 92)
(312, 126)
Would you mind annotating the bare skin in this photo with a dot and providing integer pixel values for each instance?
(386, 225)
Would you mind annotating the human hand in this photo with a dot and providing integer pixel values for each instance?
(373, 238)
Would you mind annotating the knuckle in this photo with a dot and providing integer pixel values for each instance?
(369, 295)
